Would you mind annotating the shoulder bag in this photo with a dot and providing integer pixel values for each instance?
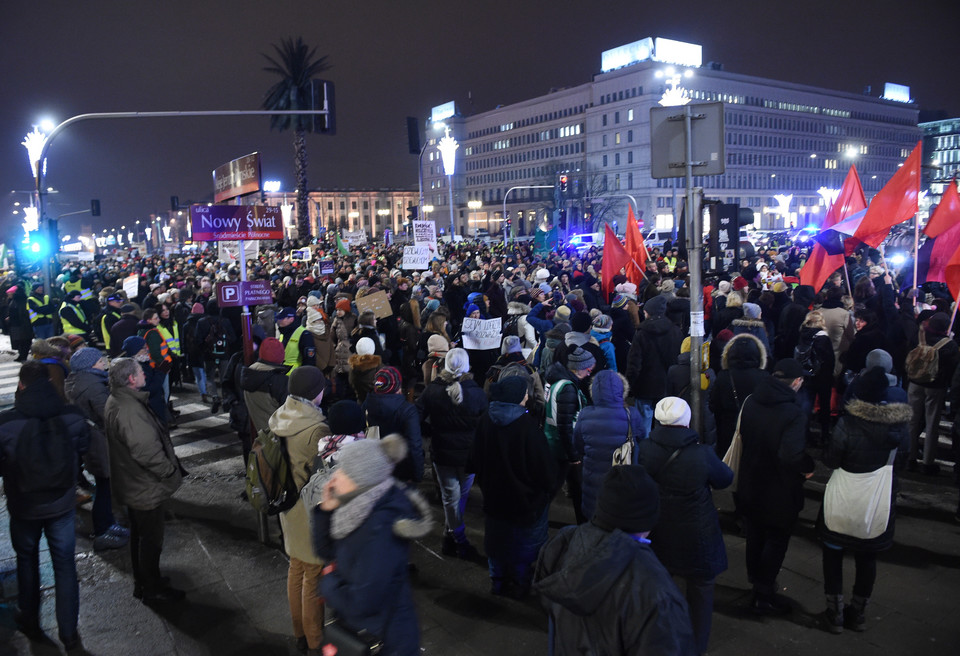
(345, 641)
(732, 457)
(858, 505)
(623, 454)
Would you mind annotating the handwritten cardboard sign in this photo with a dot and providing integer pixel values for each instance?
(378, 302)
(416, 257)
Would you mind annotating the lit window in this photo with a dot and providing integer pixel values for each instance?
(629, 114)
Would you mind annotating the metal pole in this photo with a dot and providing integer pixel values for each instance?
(695, 263)
(450, 190)
(916, 250)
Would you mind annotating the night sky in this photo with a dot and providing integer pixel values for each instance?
(390, 59)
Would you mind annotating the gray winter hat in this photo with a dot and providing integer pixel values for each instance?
(370, 462)
(879, 358)
(580, 359)
(511, 344)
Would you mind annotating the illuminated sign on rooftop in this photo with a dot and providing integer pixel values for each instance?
(443, 112)
(897, 92)
(652, 49)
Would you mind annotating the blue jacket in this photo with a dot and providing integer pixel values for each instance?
(606, 345)
(601, 428)
(541, 325)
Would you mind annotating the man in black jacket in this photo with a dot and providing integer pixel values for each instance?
(773, 468)
(655, 348)
(40, 484)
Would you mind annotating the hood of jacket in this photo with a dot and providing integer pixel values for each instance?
(256, 377)
(577, 581)
(365, 362)
(573, 338)
(750, 324)
(599, 336)
(515, 307)
(555, 334)
(503, 414)
(556, 371)
(744, 351)
(609, 389)
(39, 400)
(656, 326)
(774, 392)
(673, 437)
(296, 415)
(879, 413)
(41, 349)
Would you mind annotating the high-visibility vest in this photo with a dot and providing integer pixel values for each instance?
(69, 328)
(104, 330)
(171, 338)
(85, 294)
(291, 352)
(164, 351)
(33, 308)
(671, 262)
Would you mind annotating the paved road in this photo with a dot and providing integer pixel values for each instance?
(236, 600)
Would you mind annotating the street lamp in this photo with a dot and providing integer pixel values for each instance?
(674, 94)
(448, 152)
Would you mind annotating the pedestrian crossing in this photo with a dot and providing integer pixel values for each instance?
(9, 373)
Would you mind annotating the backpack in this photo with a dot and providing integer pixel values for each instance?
(923, 361)
(216, 339)
(498, 372)
(512, 326)
(270, 486)
(46, 460)
(808, 358)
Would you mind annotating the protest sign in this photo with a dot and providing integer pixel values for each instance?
(425, 234)
(416, 257)
(131, 287)
(378, 302)
(355, 237)
(481, 334)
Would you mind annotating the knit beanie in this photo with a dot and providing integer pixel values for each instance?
(627, 288)
(387, 381)
(470, 309)
(133, 345)
(739, 283)
(580, 322)
(562, 315)
(602, 323)
(365, 346)
(619, 301)
(346, 418)
(579, 359)
(85, 358)
(271, 351)
(370, 462)
(875, 358)
(432, 305)
(307, 382)
(871, 385)
(656, 307)
(724, 287)
(511, 344)
(628, 500)
(457, 362)
(751, 311)
(343, 304)
(938, 324)
(437, 344)
(196, 309)
(511, 389)
(672, 411)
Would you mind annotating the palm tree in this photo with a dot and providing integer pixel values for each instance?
(297, 65)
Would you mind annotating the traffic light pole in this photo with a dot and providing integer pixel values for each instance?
(695, 264)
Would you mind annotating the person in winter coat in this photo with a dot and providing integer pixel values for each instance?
(449, 408)
(125, 326)
(144, 473)
(678, 384)
(601, 333)
(791, 317)
(17, 322)
(364, 365)
(744, 364)
(553, 338)
(602, 585)
(264, 383)
(839, 325)
(870, 335)
(409, 338)
(687, 539)
(300, 424)
(515, 470)
(320, 327)
(512, 362)
(192, 349)
(88, 388)
(344, 323)
(869, 431)
(752, 324)
(40, 498)
(622, 330)
(362, 528)
(392, 413)
(773, 469)
(579, 337)
(654, 350)
(55, 354)
(437, 348)
(814, 352)
(730, 310)
(516, 324)
(601, 428)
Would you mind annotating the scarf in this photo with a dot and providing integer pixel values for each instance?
(349, 516)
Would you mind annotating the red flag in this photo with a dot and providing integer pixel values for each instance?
(947, 213)
(893, 204)
(953, 274)
(821, 265)
(635, 249)
(615, 257)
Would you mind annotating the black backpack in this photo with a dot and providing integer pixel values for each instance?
(46, 460)
(512, 326)
(216, 341)
(808, 358)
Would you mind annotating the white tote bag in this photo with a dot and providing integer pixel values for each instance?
(732, 457)
(858, 505)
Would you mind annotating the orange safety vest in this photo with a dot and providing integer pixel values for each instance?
(164, 349)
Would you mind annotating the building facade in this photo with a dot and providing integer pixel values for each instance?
(786, 145)
(941, 149)
(371, 210)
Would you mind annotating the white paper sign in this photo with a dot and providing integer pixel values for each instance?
(228, 252)
(425, 234)
(416, 257)
(481, 334)
(355, 237)
(131, 287)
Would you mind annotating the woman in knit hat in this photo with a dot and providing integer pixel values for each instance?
(437, 349)
(362, 527)
(449, 408)
(344, 324)
(387, 409)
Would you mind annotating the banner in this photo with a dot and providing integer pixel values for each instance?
(355, 237)
(425, 234)
(378, 302)
(416, 257)
(481, 334)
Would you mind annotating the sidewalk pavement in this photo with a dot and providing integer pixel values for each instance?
(236, 587)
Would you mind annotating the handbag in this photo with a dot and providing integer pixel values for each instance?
(341, 640)
(732, 457)
(623, 454)
(858, 505)
(372, 432)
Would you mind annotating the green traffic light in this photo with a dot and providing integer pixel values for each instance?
(35, 247)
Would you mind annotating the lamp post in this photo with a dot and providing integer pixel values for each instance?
(448, 153)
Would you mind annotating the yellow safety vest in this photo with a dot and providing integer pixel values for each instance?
(291, 352)
(85, 294)
(104, 331)
(671, 262)
(33, 305)
(69, 328)
(172, 339)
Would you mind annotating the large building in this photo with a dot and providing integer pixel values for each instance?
(786, 145)
(941, 147)
(372, 211)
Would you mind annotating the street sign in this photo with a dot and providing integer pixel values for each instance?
(235, 294)
(668, 146)
(236, 178)
(223, 222)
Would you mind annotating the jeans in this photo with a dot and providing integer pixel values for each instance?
(102, 507)
(43, 332)
(306, 606)
(866, 575)
(61, 538)
(146, 543)
(512, 547)
(699, 595)
(927, 404)
(645, 407)
(200, 375)
(766, 549)
(455, 486)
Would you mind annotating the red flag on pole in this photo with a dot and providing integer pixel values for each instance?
(821, 265)
(635, 249)
(945, 226)
(615, 257)
(953, 274)
(895, 203)
(947, 213)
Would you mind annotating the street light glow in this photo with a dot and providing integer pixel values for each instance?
(33, 142)
(47, 125)
(448, 152)
(271, 185)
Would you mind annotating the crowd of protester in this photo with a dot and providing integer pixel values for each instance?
(588, 393)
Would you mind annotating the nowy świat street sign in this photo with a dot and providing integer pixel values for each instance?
(221, 222)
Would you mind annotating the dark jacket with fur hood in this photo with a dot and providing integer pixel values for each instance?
(363, 369)
(753, 327)
(744, 364)
(861, 442)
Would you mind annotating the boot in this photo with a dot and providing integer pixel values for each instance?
(204, 398)
(834, 613)
(853, 615)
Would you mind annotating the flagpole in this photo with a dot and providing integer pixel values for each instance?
(916, 249)
(953, 316)
(846, 274)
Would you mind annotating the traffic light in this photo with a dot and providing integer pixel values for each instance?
(174, 203)
(95, 207)
(563, 219)
(563, 184)
(412, 213)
